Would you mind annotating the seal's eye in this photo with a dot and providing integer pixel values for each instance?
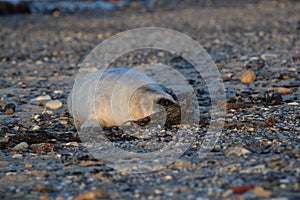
(164, 102)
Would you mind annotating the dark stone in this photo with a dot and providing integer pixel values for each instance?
(10, 106)
(272, 97)
(7, 8)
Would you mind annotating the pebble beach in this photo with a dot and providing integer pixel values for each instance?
(256, 48)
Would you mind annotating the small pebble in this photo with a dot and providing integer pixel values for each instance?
(217, 147)
(64, 122)
(180, 164)
(28, 165)
(227, 193)
(74, 144)
(9, 109)
(53, 104)
(2, 106)
(244, 57)
(9, 112)
(167, 178)
(227, 75)
(42, 98)
(44, 197)
(268, 56)
(39, 62)
(20, 146)
(23, 100)
(248, 76)
(236, 151)
(254, 58)
(284, 181)
(261, 192)
(35, 127)
(47, 112)
(241, 189)
(93, 194)
(63, 118)
(36, 116)
(210, 191)
(281, 90)
(270, 121)
(17, 156)
(293, 104)
(58, 92)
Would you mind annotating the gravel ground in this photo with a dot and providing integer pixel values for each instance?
(258, 152)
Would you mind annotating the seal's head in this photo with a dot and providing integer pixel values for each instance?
(151, 104)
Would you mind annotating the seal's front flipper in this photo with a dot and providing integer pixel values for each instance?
(91, 122)
(91, 131)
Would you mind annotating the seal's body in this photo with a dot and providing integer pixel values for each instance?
(115, 96)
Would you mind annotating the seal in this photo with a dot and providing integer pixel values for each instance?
(115, 96)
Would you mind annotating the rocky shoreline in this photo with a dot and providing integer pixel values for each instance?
(256, 49)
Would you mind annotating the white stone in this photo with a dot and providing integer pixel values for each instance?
(48, 112)
(227, 193)
(20, 146)
(58, 92)
(17, 156)
(254, 58)
(41, 98)
(35, 127)
(53, 104)
(268, 56)
(293, 104)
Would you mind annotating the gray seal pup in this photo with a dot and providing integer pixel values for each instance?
(115, 96)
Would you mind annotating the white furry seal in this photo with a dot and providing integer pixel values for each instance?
(115, 96)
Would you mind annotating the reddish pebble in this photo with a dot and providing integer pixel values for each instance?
(241, 189)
